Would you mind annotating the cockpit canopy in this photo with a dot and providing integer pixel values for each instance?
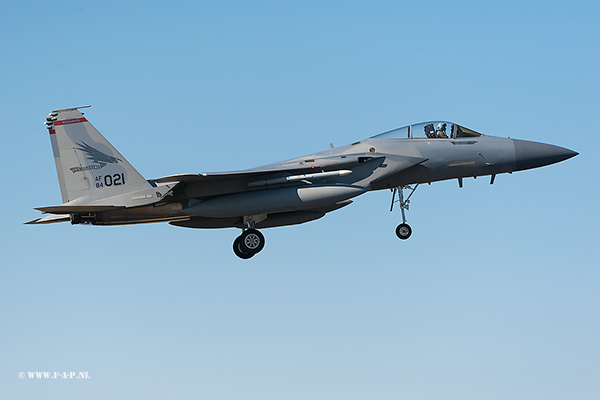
(430, 130)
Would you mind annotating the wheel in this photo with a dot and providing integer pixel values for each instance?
(238, 251)
(403, 231)
(251, 241)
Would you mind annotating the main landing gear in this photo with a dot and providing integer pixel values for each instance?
(249, 243)
(403, 231)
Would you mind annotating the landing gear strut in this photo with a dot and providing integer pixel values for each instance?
(249, 243)
(403, 231)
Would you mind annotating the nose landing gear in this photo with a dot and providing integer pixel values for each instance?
(403, 231)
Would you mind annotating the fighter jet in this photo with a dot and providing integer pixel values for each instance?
(100, 187)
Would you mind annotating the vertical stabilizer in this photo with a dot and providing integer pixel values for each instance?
(86, 163)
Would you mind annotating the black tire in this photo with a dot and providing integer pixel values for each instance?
(403, 231)
(251, 241)
(238, 251)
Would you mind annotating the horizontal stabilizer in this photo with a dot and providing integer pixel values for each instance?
(68, 209)
(50, 219)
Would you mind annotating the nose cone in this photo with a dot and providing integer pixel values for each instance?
(533, 155)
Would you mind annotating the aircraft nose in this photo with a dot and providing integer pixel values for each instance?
(533, 154)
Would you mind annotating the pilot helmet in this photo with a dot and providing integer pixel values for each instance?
(441, 126)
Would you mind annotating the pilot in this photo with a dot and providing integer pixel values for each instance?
(441, 131)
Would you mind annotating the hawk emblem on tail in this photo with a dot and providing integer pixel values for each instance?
(96, 155)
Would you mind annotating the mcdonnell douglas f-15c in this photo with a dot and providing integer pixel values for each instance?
(100, 187)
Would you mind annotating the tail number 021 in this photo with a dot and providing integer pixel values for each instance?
(110, 180)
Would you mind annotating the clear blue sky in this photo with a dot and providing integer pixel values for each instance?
(495, 296)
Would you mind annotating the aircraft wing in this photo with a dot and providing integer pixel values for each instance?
(304, 166)
(213, 176)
